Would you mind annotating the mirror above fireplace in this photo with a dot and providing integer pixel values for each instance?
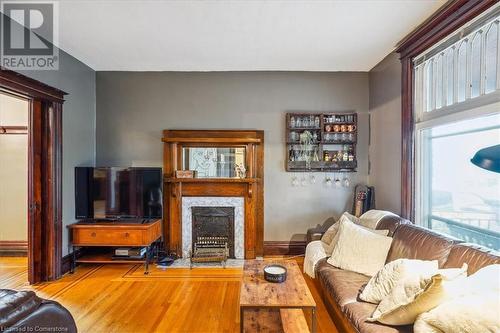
(213, 162)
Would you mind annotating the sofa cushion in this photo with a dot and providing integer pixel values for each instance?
(358, 312)
(343, 286)
(414, 242)
(474, 255)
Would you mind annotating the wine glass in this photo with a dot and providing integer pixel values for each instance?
(346, 182)
(303, 180)
(337, 182)
(295, 181)
(312, 179)
(328, 181)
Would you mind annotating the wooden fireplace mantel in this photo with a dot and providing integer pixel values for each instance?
(211, 180)
(250, 188)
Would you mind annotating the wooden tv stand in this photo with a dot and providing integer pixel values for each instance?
(119, 233)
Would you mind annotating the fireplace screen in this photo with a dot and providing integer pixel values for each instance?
(214, 222)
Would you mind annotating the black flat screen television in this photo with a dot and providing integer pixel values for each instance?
(118, 193)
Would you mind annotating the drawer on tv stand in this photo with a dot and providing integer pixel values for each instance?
(91, 236)
(115, 234)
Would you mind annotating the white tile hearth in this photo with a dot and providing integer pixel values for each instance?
(239, 220)
(185, 263)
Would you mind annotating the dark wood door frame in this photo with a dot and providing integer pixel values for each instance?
(447, 19)
(44, 173)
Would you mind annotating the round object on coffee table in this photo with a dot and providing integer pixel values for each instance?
(275, 273)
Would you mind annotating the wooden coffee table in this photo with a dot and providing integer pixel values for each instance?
(268, 301)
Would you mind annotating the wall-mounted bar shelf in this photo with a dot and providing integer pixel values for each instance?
(334, 139)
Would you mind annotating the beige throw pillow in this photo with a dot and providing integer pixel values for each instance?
(330, 233)
(415, 295)
(384, 281)
(359, 250)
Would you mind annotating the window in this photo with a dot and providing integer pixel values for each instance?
(459, 198)
(457, 112)
(465, 66)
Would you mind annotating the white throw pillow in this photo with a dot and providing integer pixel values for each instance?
(487, 279)
(330, 246)
(359, 250)
(382, 283)
(330, 233)
(465, 314)
(475, 309)
(417, 294)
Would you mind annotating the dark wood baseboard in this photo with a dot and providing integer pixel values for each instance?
(14, 248)
(274, 248)
(66, 261)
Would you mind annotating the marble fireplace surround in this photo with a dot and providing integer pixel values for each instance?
(239, 220)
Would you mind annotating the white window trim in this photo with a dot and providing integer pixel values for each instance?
(474, 103)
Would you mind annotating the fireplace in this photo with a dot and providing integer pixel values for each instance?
(245, 193)
(213, 217)
(213, 222)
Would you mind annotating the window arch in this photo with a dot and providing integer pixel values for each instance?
(491, 62)
(475, 65)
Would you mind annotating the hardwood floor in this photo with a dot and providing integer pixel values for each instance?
(119, 298)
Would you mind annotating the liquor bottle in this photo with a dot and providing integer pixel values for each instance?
(316, 122)
(292, 122)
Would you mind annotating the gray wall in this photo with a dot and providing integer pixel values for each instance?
(134, 107)
(385, 145)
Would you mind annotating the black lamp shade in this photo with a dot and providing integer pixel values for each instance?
(488, 158)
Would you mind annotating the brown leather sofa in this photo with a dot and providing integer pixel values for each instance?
(24, 311)
(340, 288)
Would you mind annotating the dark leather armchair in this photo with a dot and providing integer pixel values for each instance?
(24, 311)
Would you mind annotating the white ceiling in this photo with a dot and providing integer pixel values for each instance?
(237, 35)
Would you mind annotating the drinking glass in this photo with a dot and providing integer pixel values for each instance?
(346, 182)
